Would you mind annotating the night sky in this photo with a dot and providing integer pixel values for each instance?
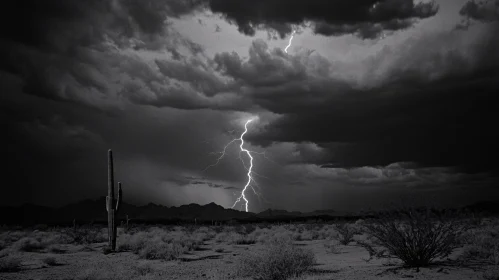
(375, 101)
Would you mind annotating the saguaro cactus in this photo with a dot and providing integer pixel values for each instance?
(112, 205)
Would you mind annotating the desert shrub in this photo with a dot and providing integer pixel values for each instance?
(50, 260)
(221, 237)
(245, 239)
(85, 235)
(204, 233)
(54, 248)
(161, 250)
(482, 244)
(373, 251)
(9, 237)
(247, 229)
(219, 250)
(492, 273)
(332, 247)
(307, 234)
(160, 244)
(143, 269)
(10, 264)
(28, 244)
(416, 236)
(345, 233)
(279, 261)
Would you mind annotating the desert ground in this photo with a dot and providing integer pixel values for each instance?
(258, 251)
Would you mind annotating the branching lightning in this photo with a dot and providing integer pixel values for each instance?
(290, 40)
(250, 173)
(249, 169)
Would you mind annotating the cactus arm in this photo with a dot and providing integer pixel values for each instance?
(120, 197)
(107, 203)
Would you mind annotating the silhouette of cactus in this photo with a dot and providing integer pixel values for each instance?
(112, 204)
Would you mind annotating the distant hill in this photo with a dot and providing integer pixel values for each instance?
(491, 207)
(95, 211)
(87, 211)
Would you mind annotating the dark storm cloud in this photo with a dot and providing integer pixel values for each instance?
(73, 51)
(431, 106)
(482, 11)
(365, 18)
(487, 10)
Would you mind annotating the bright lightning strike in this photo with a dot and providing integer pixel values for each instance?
(250, 169)
(242, 196)
(290, 40)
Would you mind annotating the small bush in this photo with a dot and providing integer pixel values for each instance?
(492, 273)
(482, 244)
(281, 260)
(28, 244)
(417, 236)
(332, 247)
(219, 250)
(346, 233)
(143, 269)
(50, 260)
(10, 264)
(85, 235)
(106, 250)
(55, 249)
(163, 251)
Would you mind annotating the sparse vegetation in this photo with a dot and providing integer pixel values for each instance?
(346, 233)
(283, 251)
(280, 261)
(332, 247)
(158, 243)
(85, 235)
(416, 236)
(50, 260)
(10, 264)
(491, 274)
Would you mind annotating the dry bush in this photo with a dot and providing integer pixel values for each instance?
(279, 261)
(54, 248)
(482, 243)
(417, 236)
(219, 250)
(28, 244)
(236, 238)
(10, 264)
(84, 235)
(7, 238)
(204, 233)
(345, 233)
(492, 273)
(50, 260)
(157, 243)
(143, 269)
(307, 235)
(332, 247)
(374, 252)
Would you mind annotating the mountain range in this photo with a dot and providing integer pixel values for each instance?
(95, 211)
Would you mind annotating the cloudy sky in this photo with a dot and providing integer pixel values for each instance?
(374, 102)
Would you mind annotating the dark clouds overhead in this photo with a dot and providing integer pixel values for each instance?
(80, 77)
(365, 18)
(487, 10)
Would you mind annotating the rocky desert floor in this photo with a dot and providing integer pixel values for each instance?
(217, 253)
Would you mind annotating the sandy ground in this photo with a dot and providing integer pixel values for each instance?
(76, 262)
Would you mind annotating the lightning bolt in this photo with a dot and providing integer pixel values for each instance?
(242, 196)
(249, 169)
(290, 40)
